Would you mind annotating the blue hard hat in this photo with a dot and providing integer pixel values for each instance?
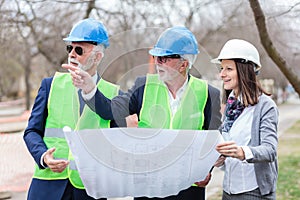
(175, 40)
(89, 30)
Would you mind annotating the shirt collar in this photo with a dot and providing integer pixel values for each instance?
(180, 91)
(95, 78)
(239, 97)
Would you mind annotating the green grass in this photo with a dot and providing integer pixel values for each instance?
(288, 184)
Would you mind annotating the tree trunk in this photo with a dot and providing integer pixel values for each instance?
(269, 47)
(27, 84)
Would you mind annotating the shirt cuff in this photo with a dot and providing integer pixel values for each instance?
(248, 152)
(42, 160)
(90, 95)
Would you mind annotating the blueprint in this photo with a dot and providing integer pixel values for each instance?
(120, 162)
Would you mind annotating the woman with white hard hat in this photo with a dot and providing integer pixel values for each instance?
(249, 153)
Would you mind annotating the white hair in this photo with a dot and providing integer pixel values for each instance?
(191, 58)
(99, 48)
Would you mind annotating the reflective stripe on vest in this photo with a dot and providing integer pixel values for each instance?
(54, 132)
(156, 111)
(63, 110)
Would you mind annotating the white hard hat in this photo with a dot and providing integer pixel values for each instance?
(239, 49)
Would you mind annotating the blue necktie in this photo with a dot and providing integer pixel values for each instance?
(81, 101)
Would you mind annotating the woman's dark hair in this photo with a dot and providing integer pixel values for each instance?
(225, 95)
(249, 86)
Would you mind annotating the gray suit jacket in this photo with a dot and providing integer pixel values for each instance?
(263, 144)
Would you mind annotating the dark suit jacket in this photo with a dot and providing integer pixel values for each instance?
(33, 137)
(131, 102)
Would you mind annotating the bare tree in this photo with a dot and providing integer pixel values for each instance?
(270, 48)
(133, 26)
(40, 31)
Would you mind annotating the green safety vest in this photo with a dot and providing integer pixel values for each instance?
(156, 111)
(63, 110)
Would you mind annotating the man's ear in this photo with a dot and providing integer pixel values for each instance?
(184, 65)
(98, 57)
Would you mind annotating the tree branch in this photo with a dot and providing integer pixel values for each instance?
(269, 47)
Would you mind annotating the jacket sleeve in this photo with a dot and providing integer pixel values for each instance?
(34, 133)
(264, 139)
(120, 106)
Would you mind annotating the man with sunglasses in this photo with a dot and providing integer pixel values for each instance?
(60, 104)
(170, 99)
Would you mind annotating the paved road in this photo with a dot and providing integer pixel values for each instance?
(16, 165)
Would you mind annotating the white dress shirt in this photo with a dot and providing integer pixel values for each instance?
(239, 175)
(175, 102)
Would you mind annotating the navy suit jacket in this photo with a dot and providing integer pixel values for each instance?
(131, 102)
(33, 137)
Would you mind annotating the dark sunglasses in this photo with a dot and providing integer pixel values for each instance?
(164, 59)
(79, 51)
